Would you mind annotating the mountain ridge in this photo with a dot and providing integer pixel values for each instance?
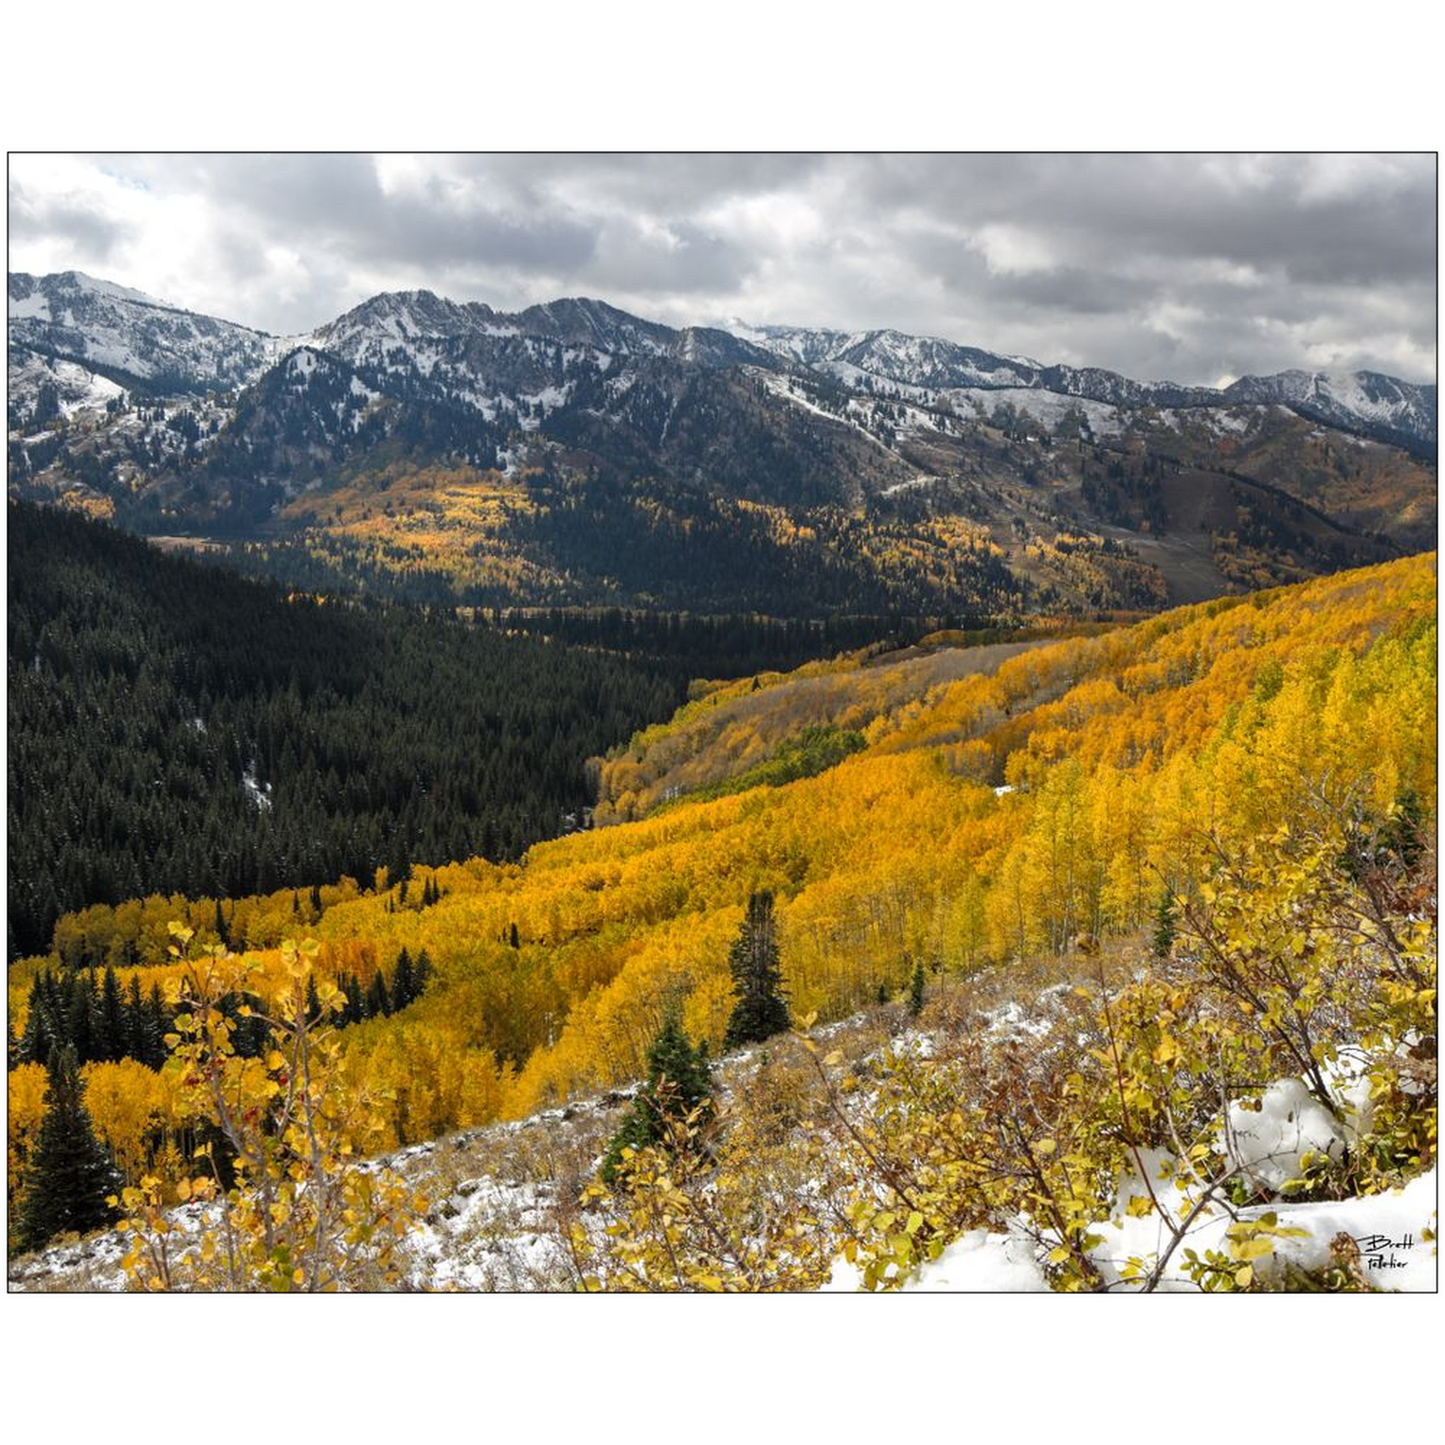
(890, 354)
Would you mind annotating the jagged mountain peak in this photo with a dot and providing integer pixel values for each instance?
(130, 337)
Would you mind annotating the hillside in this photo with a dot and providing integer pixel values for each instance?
(996, 815)
(501, 1201)
(173, 728)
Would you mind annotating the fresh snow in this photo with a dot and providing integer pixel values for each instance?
(1388, 1228)
(783, 387)
(1269, 1144)
(257, 792)
(1047, 408)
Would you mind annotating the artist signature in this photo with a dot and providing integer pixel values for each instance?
(1379, 1251)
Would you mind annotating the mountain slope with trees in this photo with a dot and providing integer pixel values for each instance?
(1169, 892)
(1010, 815)
(176, 729)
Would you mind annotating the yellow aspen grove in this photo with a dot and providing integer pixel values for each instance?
(1097, 768)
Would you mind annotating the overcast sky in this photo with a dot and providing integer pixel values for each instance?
(1188, 268)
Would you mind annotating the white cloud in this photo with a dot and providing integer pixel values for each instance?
(1181, 265)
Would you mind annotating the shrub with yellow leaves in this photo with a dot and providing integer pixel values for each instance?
(300, 1211)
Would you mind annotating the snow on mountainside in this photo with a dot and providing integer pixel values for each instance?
(75, 387)
(1348, 398)
(169, 421)
(492, 358)
(919, 367)
(398, 328)
(109, 328)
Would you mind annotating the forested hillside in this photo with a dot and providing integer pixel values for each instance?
(1080, 789)
(173, 728)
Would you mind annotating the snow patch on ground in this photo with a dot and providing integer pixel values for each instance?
(1047, 408)
(258, 794)
(1269, 1143)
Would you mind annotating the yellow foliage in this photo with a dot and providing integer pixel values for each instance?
(999, 810)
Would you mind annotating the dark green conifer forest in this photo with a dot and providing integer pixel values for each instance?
(173, 727)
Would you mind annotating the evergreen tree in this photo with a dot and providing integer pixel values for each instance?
(135, 1021)
(69, 1176)
(378, 1000)
(403, 982)
(1165, 927)
(355, 999)
(41, 1031)
(915, 991)
(158, 1025)
(80, 1018)
(110, 1034)
(679, 1083)
(761, 1010)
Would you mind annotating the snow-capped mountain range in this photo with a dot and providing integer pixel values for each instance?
(922, 366)
(400, 328)
(602, 422)
(774, 469)
(129, 337)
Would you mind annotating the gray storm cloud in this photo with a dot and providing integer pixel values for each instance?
(1190, 267)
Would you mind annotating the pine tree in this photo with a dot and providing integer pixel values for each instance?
(157, 1026)
(110, 1036)
(69, 1176)
(80, 1017)
(350, 985)
(403, 982)
(679, 1084)
(41, 1031)
(915, 991)
(761, 1010)
(1164, 925)
(378, 1000)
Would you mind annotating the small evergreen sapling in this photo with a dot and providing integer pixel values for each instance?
(915, 991)
(1165, 925)
(679, 1085)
